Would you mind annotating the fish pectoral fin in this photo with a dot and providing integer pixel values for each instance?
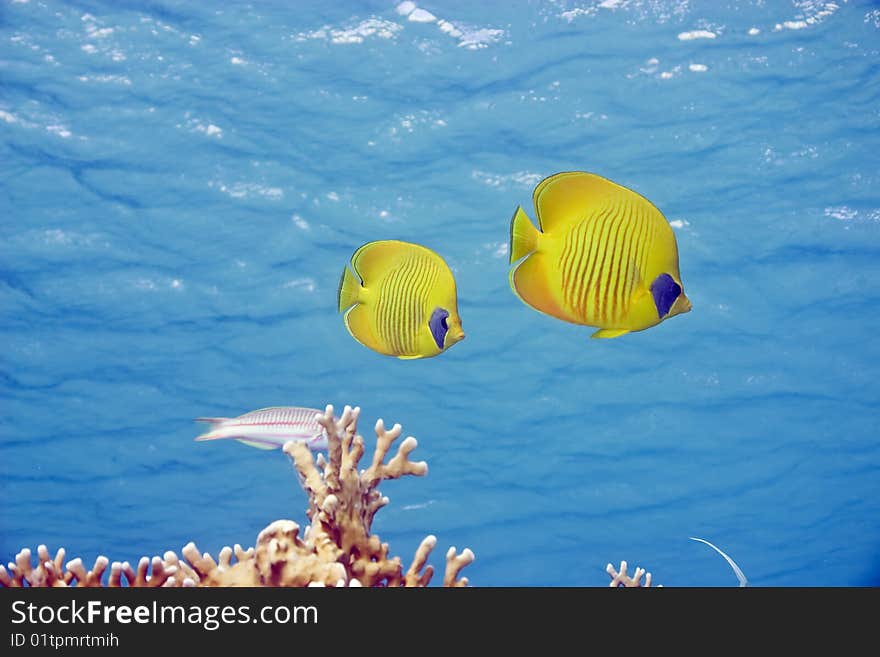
(609, 333)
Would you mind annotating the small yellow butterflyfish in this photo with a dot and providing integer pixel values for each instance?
(399, 299)
(603, 256)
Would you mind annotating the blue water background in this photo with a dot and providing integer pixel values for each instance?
(182, 183)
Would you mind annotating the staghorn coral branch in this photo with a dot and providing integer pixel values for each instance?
(398, 466)
(159, 577)
(90, 578)
(454, 564)
(621, 579)
(415, 576)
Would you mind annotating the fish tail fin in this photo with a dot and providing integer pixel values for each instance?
(349, 290)
(523, 235)
(212, 420)
(210, 435)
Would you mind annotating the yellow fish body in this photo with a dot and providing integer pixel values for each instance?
(400, 300)
(604, 256)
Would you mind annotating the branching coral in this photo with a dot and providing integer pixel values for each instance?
(336, 549)
(621, 579)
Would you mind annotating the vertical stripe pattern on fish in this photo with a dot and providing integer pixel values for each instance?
(399, 299)
(603, 256)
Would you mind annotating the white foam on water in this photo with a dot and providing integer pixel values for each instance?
(333, 196)
(754, 31)
(299, 222)
(698, 68)
(238, 61)
(99, 32)
(790, 25)
(479, 38)
(497, 249)
(242, 190)
(59, 130)
(696, 34)
(422, 16)
(405, 8)
(305, 284)
(89, 48)
(449, 28)
(500, 180)
(8, 117)
(679, 223)
(813, 12)
(848, 214)
(369, 28)
(105, 79)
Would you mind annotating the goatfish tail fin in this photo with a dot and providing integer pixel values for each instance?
(349, 290)
(523, 235)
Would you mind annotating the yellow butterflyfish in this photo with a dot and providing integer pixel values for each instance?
(604, 256)
(400, 300)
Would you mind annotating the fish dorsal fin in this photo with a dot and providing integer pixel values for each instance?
(373, 258)
(567, 198)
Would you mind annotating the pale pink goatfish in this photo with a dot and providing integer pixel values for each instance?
(269, 428)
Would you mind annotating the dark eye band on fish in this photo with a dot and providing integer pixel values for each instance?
(438, 326)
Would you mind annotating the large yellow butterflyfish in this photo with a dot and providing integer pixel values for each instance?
(400, 300)
(604, 256)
